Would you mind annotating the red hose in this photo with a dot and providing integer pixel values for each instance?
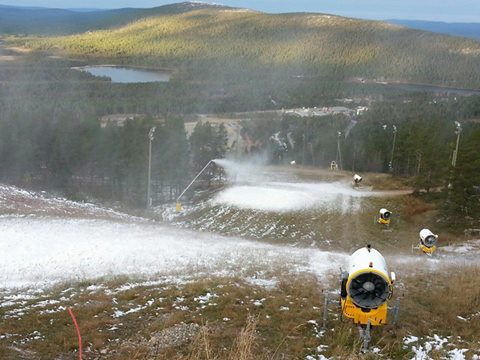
(78, 333)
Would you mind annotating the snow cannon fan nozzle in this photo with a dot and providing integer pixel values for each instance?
(369, 290)
(368, 286)
(428, 241)
(384, 216)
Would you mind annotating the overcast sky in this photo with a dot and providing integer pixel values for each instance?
(440, 10)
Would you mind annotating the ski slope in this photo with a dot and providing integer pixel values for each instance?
(39, 252)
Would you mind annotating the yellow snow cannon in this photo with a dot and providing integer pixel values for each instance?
(384, 217)
(366, 288)
(428, 242)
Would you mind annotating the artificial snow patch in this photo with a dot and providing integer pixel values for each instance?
(465, 248)
(316, 357)
(286, 197)
(321, 348)
(119, 313)
(457, 354)
(204, 299)
(438, 341)
(258, 302)
(410, 339)
(256, 187)
(268, 284)
(15, 201)
(39, 252)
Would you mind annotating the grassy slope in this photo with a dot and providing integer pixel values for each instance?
(287, 320)
(296, 44)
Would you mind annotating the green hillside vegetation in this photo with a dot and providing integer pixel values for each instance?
(45, 21)
(233, 43)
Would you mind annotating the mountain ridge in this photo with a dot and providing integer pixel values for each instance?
(468, 30)
(54, 21)
(300, 44)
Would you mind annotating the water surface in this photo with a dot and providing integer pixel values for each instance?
(126, 75)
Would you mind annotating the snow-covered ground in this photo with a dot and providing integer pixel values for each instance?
(45, 241)
(42, 251)
(255, 187)
(49, 240)
(295, 196)
(15, 201)
(36, 252)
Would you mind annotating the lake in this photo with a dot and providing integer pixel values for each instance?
(126, 75)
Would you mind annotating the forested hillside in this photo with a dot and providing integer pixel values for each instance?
(45, 21)
(216, 42)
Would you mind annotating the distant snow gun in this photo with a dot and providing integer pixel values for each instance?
(428, 242)
(178, 205)
(384, 217)
(357, 179)
(365, 291)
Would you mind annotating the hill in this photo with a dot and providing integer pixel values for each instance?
(233, 43)
(46, 21)
(468, 30)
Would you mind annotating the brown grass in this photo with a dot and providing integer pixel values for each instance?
(242, 349)
(414, 207)
(430, 304)
(244, 344)
(436, 300)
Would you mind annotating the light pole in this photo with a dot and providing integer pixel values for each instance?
(458, 131)
(390, 165)
(339, 152)
(150, 139)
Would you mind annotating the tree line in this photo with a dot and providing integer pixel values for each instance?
(414, 140)
(81, 158)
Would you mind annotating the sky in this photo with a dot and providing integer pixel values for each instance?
(434, 10)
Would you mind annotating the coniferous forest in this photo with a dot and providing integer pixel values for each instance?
(51, 134)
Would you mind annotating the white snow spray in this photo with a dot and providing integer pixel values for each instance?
(252, 171)
(258, 187)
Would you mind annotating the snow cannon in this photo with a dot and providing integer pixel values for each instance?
(366, 288)
(384, 216)
(428, 241)
(357, 179)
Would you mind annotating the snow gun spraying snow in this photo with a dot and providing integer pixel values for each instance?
(384, 217)
(357, 179)
(178, 205)
(428, 242)
(365, 291)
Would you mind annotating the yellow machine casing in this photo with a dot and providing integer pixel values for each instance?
(178, 207)
(427, 250)
(383, 221)
(359, 316)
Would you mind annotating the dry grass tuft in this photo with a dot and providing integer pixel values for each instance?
(244, 345)
(242, 349)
